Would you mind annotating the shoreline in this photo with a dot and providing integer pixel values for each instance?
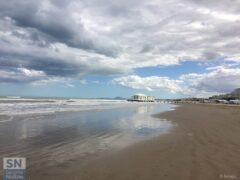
(204, 144)
(52, 141)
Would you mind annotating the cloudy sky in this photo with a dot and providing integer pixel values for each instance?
(106, 48)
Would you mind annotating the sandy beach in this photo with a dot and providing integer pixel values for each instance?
(203, 145)
(51, 136)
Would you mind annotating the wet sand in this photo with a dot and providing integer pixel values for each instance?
(52, 141)
(204, 145)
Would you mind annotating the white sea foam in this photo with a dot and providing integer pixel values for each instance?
(33, 106)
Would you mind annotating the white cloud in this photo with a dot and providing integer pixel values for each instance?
(77, 38)
(149, 83)
(59, 41)
(21, 75)
(31, 73)
(218, 80)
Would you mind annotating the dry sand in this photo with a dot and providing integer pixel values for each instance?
(204, 145)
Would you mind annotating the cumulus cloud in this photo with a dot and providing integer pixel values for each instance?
(71, 39)
(20, 75)
(55, 23)
(149, 83)
(219, 80)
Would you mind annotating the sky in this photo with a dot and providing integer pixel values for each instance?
(105, 48)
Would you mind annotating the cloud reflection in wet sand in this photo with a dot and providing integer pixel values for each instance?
(47, 139)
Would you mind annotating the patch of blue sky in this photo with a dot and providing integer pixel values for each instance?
(185, 67)
(173, 71)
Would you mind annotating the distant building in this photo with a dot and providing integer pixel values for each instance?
(150, 98)
(142, 98)
(139, 97)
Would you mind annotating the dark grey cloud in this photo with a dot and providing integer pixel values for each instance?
(70, 39)
(52, 64)
(210, 55)
(54, 67)
(55, 22)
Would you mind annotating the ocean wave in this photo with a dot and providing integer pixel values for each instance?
(35, 106)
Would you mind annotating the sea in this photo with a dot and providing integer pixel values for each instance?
(51, 131)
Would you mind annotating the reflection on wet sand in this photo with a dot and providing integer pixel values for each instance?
(49, 139)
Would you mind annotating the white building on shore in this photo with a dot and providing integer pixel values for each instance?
(142, 98)
(150, 98)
